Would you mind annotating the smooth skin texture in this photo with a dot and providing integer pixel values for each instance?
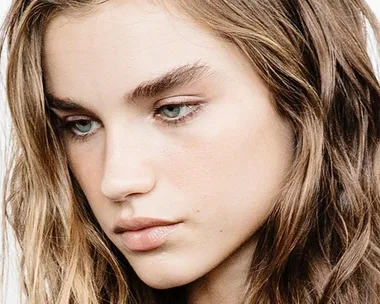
(218, 173)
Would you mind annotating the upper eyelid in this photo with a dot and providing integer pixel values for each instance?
(78, 118)
(62, 116)
(186, 99)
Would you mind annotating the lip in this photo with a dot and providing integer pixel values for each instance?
(139, 223)
(144, 234)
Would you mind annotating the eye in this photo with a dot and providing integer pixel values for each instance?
(173, 110)
(173, 114)
(83, 126)
(80, 128)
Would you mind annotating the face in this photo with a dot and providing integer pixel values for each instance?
(170, 133)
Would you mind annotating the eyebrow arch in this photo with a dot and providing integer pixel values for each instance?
(184, 75)
(177, 77)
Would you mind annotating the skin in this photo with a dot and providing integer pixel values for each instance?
(218, 173)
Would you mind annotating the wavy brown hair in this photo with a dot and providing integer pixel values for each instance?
(320, 244)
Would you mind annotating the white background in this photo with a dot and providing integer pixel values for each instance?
(4, 136)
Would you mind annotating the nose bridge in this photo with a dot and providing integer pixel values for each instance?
(126, 167)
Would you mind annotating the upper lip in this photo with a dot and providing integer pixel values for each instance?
(139, 223)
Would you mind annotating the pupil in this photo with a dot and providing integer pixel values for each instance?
(173, 111)
(83, 125)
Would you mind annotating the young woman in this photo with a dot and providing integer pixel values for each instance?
(194, 151)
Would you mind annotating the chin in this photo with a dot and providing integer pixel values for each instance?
(163, 284)
(166, 280)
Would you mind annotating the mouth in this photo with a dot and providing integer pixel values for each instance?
(144, 234)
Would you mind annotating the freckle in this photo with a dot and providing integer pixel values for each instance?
(198, 210)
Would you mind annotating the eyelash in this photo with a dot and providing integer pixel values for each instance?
(67, 126)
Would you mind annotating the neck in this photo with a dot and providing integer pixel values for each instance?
(225, 284)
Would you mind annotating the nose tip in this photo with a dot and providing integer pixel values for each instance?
(117, 187)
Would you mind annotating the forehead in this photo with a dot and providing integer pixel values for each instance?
(99, 55)
(129, 40)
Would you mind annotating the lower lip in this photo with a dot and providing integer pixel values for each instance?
(148, 238)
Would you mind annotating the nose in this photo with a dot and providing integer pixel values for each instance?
(126, 170)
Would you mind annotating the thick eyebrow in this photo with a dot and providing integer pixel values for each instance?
(184, 75)
(177, 77)
(64, 104)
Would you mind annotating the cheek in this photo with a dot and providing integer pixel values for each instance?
(229, 176)
(233, 169)
(86, 164)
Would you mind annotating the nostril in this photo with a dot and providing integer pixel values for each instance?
(113, 189)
